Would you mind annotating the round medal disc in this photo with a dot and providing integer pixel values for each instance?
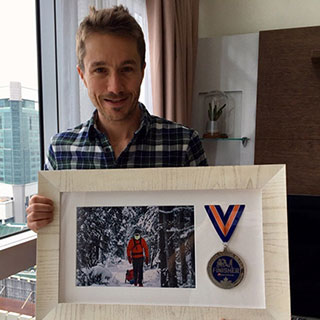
(225, 269)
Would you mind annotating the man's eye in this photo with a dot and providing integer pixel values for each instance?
(100, 70)
(127, 69)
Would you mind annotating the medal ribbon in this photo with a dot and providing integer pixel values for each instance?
(225, 224)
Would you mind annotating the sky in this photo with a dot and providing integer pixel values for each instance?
(18, 50)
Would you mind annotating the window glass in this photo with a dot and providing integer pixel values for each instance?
(18, 294)
(19, 113)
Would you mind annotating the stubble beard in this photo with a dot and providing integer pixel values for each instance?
(110, 114)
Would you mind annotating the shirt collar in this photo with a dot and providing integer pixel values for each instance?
(92, 128)
(145, 120)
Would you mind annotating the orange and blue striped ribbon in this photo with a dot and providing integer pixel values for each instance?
(225, 224)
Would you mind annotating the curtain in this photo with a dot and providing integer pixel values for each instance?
(173, 36)
(74, 103)
(67, 82)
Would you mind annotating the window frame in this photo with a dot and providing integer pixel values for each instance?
(18, 251)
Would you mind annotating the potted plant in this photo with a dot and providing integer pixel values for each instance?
(214, 114)
(217, 103)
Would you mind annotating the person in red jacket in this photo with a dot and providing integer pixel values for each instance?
(137, 252)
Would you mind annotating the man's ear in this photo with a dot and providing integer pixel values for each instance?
(143, 70)
(81, 74)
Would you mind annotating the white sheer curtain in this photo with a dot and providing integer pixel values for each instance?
(74, 104)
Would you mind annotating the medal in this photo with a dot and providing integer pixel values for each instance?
(225, 269)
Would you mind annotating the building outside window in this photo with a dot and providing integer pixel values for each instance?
(19, 154)
(19, 146)
(19, 113)
(17, 295)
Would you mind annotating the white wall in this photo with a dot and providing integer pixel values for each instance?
(229, 64)
(225, 17)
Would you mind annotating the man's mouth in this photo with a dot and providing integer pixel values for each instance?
(115, 102)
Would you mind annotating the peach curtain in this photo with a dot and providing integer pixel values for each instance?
(173, 39)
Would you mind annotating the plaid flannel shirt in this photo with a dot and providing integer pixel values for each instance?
(157, 143)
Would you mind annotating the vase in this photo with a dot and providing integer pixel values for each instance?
(212, 127)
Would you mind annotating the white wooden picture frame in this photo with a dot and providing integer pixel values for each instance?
(270, 179)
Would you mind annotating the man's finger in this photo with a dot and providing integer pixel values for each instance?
(34, 207)
(40, 199)
(40, 215)
(36, 225)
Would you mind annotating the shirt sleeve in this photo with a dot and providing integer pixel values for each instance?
(51, 163)
(195, 153)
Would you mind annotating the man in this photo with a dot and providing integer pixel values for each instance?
(121, 133)
(137, 249)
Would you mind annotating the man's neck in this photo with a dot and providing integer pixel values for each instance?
(120, 133)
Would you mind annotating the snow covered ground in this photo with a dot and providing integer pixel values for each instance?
(151, 277)
(114, 275)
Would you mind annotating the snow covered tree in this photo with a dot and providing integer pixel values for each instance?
(163, 249)
(176, 246)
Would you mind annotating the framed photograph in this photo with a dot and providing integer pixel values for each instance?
(113, 243)
(202, 242)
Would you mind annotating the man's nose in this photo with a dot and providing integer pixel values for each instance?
(115, 84)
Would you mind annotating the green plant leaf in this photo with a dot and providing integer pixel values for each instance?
(218, 113)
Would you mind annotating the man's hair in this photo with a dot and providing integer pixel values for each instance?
(116, 21)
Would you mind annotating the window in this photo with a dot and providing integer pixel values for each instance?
(19, 108)
(59, 99)
(18, 104)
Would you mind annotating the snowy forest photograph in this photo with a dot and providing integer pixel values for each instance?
(114, 242)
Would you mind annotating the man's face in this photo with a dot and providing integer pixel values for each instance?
(137, 236)
(113, 75)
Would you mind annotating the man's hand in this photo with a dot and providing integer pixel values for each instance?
(129, 259)
(147, 260)
(39, 212)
